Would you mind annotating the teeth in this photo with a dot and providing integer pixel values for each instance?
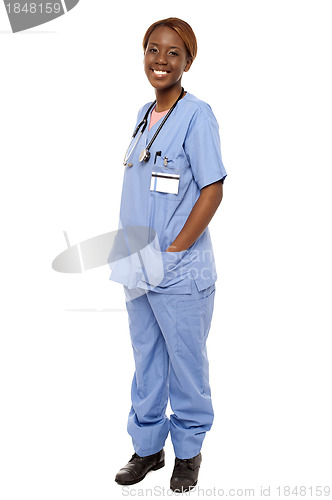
(160, 72)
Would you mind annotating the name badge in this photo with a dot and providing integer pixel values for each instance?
(165, 183)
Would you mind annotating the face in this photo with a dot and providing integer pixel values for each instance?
(165, 58)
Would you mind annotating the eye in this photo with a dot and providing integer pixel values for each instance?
(152, 50)
(174, 53)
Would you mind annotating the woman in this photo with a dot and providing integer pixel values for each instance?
(173, 185)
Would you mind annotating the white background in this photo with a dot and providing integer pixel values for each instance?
(70, 92)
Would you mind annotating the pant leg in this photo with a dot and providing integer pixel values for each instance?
(185, 322)
(148, 424)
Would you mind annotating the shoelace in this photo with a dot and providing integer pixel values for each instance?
(181, 460)
(136, 457)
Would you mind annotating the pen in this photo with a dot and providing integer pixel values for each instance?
(158, 153)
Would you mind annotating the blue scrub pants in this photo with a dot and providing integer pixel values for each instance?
(168, 335)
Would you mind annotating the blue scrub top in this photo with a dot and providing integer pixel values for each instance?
(190, 141)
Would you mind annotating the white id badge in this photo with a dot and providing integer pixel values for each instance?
(164, 182)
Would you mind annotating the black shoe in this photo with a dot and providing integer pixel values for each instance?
(138, 467)
(185, 473)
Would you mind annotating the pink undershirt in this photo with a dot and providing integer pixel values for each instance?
(156, 116)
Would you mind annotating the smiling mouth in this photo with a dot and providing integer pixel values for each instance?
(158, 72)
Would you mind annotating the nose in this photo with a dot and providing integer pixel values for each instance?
(161, 58)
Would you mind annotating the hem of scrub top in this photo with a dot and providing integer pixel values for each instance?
(167, 290)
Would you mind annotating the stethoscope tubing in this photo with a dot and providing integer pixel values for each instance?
(144, 122)
(165, 118)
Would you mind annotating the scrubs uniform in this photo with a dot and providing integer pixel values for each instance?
(170, 318)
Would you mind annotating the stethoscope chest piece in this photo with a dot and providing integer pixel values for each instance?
(145, 155)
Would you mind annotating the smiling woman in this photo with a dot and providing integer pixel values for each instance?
(170, 47)
(173, 188)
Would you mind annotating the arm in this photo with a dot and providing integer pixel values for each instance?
(199, 217)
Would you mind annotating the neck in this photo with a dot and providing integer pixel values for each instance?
(167, 97)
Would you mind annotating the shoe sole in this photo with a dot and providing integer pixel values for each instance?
(134, 481)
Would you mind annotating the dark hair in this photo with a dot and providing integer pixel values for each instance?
(182, 28)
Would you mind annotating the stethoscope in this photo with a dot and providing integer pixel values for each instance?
(145, 154)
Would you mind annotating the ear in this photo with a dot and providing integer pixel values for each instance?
(188, 64)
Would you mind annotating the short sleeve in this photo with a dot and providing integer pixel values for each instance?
(202, 147)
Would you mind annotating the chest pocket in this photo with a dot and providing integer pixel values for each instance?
(167, 177)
